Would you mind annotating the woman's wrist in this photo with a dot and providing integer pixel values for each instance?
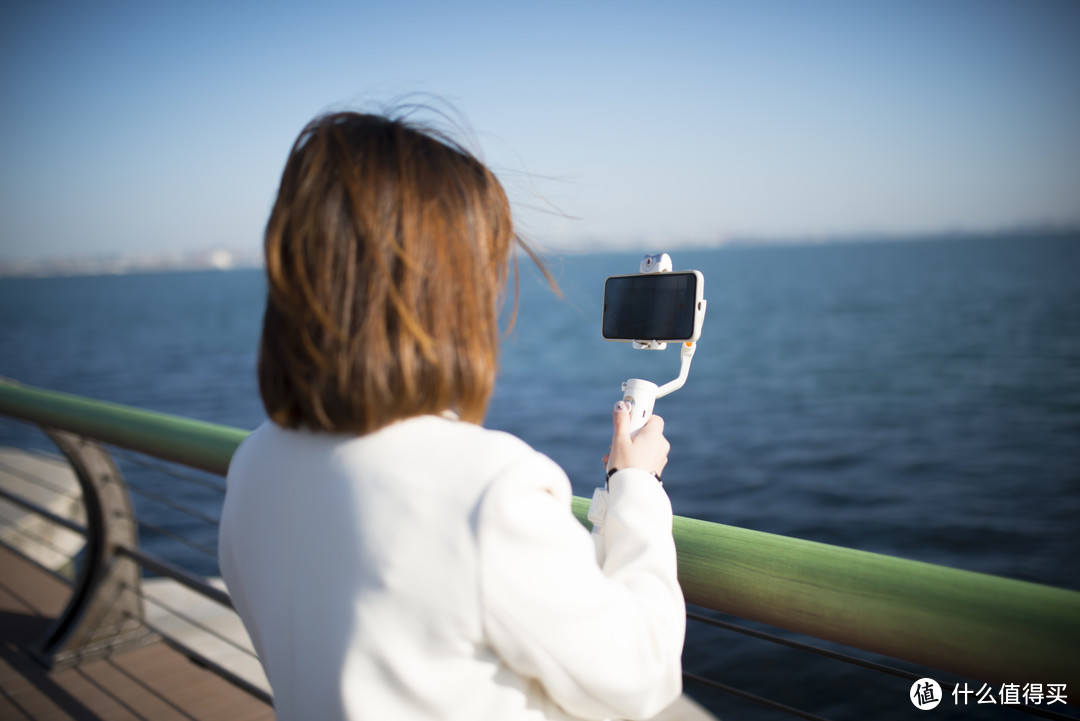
(613, 471)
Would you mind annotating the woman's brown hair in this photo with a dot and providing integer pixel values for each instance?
(387, 252)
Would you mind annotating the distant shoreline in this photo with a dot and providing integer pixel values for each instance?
(220, 259)
(216, 259)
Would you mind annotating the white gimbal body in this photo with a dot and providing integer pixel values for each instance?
(641, 394)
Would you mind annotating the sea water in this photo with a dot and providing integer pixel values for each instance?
(917, 398)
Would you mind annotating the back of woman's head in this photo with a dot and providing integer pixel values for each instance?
(386, 256)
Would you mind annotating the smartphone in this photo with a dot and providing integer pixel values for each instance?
(664, 307)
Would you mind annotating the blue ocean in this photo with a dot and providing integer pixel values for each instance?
(918, 398)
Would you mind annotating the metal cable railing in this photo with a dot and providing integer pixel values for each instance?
(13, 472)
(173, 535)
(45, 513)
(175, 505)
(198, 624)
(164, 569)
(752, 697)
(191, 629)
(38, 539)
(231, 643)
(953, 621)
(169, 470)
(846, 658)
(43, 568)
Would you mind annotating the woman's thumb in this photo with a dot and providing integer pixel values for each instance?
(621, 419)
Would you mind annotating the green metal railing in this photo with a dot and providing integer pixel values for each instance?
(976, 625)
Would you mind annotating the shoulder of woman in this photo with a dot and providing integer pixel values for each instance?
(524, 477)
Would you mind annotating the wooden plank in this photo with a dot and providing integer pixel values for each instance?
(153, 682)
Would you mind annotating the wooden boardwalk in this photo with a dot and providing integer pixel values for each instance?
(152, 682)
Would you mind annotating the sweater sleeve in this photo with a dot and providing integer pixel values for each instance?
(602, 640)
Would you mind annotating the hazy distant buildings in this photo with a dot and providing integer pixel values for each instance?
(205, 259)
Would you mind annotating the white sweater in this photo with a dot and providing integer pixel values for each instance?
(433, 570)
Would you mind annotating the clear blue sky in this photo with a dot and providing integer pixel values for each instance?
(138, 127)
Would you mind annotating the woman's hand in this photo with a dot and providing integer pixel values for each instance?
(647, 451)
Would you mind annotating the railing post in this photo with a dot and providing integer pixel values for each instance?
(105, 612)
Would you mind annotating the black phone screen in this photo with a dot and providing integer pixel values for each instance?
(650, 306)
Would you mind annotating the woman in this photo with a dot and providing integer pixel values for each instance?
(391, 558)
